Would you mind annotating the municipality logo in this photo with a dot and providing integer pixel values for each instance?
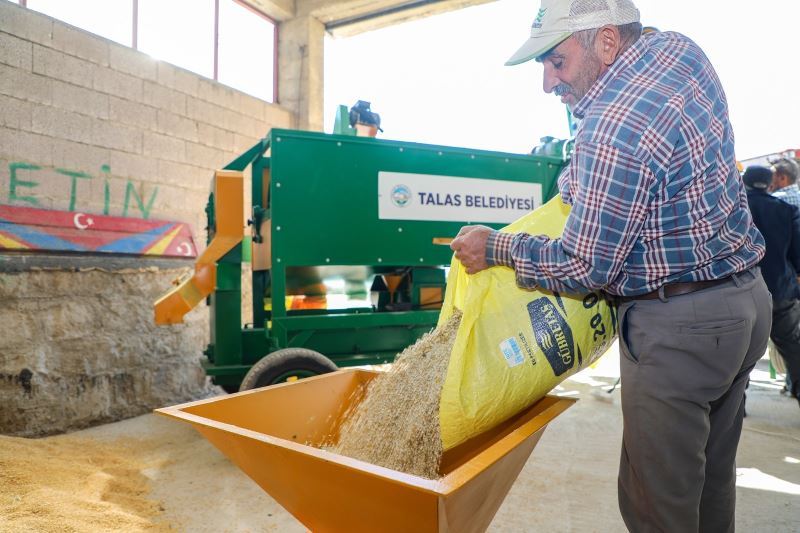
(537, 22)
(401, 195)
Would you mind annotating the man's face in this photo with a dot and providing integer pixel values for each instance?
(570, 71)
(779, 181)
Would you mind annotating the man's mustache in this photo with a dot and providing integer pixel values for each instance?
(561, 89)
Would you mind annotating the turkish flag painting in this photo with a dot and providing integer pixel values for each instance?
(30, 229)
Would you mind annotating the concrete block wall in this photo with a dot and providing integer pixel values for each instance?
(79, 348)
(75, 102)
(91, 126)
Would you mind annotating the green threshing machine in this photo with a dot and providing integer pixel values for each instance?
(347, 245)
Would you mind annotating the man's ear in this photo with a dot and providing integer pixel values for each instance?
(607, 44)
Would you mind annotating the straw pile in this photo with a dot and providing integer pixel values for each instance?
(66, 484)
(397, 423)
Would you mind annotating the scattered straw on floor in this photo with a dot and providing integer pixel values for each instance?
(68, 484)
(397, 423)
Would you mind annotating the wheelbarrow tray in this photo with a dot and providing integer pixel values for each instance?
(277, 436)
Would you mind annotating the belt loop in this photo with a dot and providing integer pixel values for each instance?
(661, 295)
(736, 280)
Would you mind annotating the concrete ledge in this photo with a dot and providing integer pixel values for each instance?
(21, 262)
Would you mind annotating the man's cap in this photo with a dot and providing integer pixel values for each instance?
(558, 19)
(757, 177)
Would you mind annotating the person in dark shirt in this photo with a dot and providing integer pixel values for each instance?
(779, 223)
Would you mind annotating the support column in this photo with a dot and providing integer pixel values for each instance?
(301, 48)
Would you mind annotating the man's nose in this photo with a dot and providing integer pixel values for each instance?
(549, 80)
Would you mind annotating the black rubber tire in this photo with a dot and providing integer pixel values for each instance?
(272, 366)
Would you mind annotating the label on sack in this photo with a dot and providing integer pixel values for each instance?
(406, 196)
(553, 335)
(512, 352)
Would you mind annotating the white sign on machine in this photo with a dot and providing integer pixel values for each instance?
(405, 196)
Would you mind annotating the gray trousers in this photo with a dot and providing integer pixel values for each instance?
(684, 366)
(786, 336)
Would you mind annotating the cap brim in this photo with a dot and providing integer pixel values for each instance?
(536, 46)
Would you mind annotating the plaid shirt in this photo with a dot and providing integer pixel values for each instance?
(655, 193)
(789, 194)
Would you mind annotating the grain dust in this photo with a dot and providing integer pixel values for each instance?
(68, 484)
(397, 423)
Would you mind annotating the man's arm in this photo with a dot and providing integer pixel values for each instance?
(609, 206)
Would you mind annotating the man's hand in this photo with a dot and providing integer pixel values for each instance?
(470, 247)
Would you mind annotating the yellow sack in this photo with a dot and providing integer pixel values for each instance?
(514, 345)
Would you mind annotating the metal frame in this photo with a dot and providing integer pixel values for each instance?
(216, 40)
(406, 6)
(342, 170)
(276, 25)
(135, 29)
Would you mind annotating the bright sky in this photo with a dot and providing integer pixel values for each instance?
(441, 79)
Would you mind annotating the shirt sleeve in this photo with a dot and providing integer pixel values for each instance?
(609, 206)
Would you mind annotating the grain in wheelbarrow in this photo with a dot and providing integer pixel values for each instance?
(397, 423)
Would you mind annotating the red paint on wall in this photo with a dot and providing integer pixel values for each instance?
(25, 228)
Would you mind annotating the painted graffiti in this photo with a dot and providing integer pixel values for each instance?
(25, 181)
(47, 230)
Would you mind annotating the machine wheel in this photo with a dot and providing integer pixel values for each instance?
(286, 365)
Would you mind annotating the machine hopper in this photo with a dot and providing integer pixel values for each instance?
(276, 435)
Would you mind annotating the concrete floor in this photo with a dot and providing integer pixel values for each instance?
(568, 484)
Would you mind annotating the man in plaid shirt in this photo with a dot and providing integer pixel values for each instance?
(659, 219)
(784, 181)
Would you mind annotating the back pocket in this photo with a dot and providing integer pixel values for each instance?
(717, 327)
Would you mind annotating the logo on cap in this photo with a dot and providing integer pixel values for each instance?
(537, 22)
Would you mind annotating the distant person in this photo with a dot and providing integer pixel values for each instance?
(784, 186)
(658, 219)
(779, 223)
(784, 181)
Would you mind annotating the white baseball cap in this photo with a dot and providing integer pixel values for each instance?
(558, 19)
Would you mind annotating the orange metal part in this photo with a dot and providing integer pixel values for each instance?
(275, 436)
(229, 219)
